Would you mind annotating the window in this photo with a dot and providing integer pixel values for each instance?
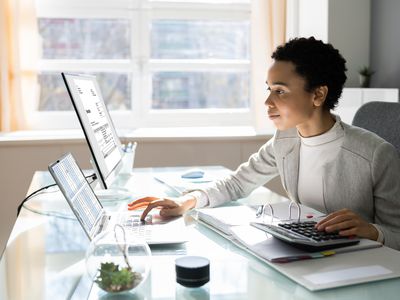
(158, 63)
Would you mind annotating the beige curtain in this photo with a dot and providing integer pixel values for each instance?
(277, 23)
(268, 23)
(18, 62)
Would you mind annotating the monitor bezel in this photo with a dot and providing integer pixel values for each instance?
(105, 180)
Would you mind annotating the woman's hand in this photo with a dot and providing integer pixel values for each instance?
(170, 207)
(347, 223)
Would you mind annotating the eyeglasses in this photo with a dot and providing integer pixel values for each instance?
(260, 213)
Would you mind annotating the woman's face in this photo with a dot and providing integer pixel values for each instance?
(289, 104)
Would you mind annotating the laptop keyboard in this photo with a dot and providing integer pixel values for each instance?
(135, 226)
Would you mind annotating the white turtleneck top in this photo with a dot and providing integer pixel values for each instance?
(315, 153)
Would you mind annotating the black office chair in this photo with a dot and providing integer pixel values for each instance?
(382, 118)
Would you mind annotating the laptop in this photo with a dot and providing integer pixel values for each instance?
(93, 217)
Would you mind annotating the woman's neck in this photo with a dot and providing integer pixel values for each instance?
(318, 125)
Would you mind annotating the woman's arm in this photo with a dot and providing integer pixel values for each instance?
(386, 177)
(385, 172)
(259, 169)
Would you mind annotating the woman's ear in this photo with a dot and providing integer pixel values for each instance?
(320, 94)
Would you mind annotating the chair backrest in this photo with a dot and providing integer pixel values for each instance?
(382, 118)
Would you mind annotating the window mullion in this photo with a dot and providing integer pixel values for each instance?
(198, 6)
(200, 65)
(144, 50)
(136, 69)
(85, 65)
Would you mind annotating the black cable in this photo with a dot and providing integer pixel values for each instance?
(93, 176)
(31, 195)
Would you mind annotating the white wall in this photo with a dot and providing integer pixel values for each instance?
(343, 23)
(385, 43)
(313, 18)
(349, 31)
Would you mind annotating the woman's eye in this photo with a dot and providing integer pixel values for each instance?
(276, 91)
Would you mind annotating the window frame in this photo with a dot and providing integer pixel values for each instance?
(140, 66)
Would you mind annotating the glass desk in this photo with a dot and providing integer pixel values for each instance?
(44, 258)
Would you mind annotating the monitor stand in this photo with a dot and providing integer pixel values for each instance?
(113, 194)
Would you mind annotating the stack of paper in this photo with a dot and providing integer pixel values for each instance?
(274, 250)
(224, 219)
(233, 223)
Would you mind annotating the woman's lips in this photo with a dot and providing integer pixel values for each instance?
(273, 116)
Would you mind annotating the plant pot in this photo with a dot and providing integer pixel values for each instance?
(365, 81)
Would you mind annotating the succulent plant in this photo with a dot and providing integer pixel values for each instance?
(113, 279)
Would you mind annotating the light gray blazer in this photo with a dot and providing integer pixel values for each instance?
(364, 177)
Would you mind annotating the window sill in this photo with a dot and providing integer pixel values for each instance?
(141, 134)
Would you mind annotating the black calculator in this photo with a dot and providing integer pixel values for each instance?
(304, 235)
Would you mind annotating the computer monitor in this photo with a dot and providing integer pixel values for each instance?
(100, 133)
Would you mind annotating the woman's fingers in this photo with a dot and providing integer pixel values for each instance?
(334, 222)
(333, 218)
(169, 206)
(347, 223)
(349, 232)
(144, 200)
(171, 212)
(342, 226)
(332, 215)
(164, 203)
(137, 206)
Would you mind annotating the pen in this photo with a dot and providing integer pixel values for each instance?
(130, 147)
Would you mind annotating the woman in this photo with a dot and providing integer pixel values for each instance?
(347, 172)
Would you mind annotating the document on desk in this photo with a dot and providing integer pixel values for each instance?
(272, 249)
(223, 218)
(233, 223)
(344, 269)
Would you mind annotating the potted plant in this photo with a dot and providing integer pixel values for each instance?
(365, 76)
(110, 258)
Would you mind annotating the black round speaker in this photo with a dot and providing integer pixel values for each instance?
(192, 271)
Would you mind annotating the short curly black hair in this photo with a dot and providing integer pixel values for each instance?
(318, 63)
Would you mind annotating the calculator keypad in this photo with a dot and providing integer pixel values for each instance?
(307, 229)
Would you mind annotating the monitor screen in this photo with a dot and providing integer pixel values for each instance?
(100, 134)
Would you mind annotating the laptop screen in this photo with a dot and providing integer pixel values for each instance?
(77, 191)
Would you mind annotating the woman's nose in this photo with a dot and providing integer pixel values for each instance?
(268, 102)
